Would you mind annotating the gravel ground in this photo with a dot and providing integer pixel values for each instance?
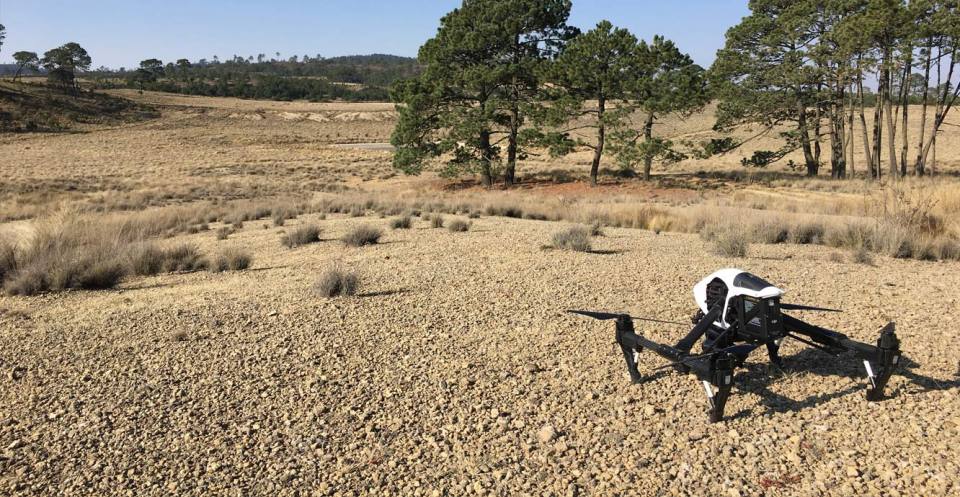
(455, 372)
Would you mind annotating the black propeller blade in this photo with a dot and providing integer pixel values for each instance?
(798, 307)
(605, 316)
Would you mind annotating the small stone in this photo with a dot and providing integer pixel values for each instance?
(547, 434)
(853, 472)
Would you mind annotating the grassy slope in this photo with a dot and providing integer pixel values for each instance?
(36, 107)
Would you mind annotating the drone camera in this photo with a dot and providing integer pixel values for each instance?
(761, 319)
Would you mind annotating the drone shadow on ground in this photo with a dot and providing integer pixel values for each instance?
(757, 379)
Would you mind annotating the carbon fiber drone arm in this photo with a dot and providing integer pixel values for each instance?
(885, 355)
(714, 370)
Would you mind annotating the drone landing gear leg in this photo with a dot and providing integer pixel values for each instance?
(773, 350)
(885, 356)
(888, 357)
(718, 400)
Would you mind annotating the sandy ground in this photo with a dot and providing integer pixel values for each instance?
(456, 371)
(441, 376)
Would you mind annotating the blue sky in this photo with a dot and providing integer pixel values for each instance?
(123, 32)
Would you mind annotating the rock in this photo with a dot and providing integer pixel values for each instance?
(546, 434)
(696, 435)
(853, 472)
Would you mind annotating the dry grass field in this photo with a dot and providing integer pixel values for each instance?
(271, 310)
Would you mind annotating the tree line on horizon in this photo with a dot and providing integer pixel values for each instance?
(504, 77)
(350, 78)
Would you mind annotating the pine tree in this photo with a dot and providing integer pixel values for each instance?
(478, 83)
(597, 66)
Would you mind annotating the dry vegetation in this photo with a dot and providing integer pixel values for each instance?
(455, 371)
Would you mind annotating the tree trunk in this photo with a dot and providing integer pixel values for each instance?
(818, 117)
(888, 111)
(601, 138)
(838, 158)
(647, 136)
(486, 152)
(877, 130)
(863, 121)
(905, 104)
(918, 165)
(812, 166)
(509, 174)
(944, 102)
(849, 148)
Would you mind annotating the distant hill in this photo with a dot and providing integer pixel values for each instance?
(37, 107)
(348, 78)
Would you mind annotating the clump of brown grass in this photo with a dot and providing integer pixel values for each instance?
(337, 281)
(302, 235)
(458, 226)
(231, 259)
(184, 258)
(729, 240)
(862, 256)
(362, 235)
(65, 253)
(224, 232)
(575, 238)
(401, 223)
(436, 221)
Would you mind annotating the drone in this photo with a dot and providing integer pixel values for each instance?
(738, 312)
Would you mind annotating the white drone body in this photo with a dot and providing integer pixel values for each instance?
(728, 284)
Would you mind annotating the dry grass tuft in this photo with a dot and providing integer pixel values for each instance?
(436, 221)
(302, 235)
(231, 259)
(862, 256)
(362, 235)
(575, 238)
(458, 226)
(184, 258)
(729, 239)
(401, 223)
(337, 281)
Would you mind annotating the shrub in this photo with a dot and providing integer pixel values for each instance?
(596, 229)
(474, 215)
(362, 235)
(99, 275)
(337, 281)
(146, 259)
(576, 238)
(302, 235)
(183, 257)
(401, 223)
(731, 242)
(458, 226)
(436, 221)
(224, 233)
(862, 256)
(358, 212)
(8, 259)
(231, 259)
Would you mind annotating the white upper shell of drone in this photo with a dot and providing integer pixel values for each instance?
(728, 276)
